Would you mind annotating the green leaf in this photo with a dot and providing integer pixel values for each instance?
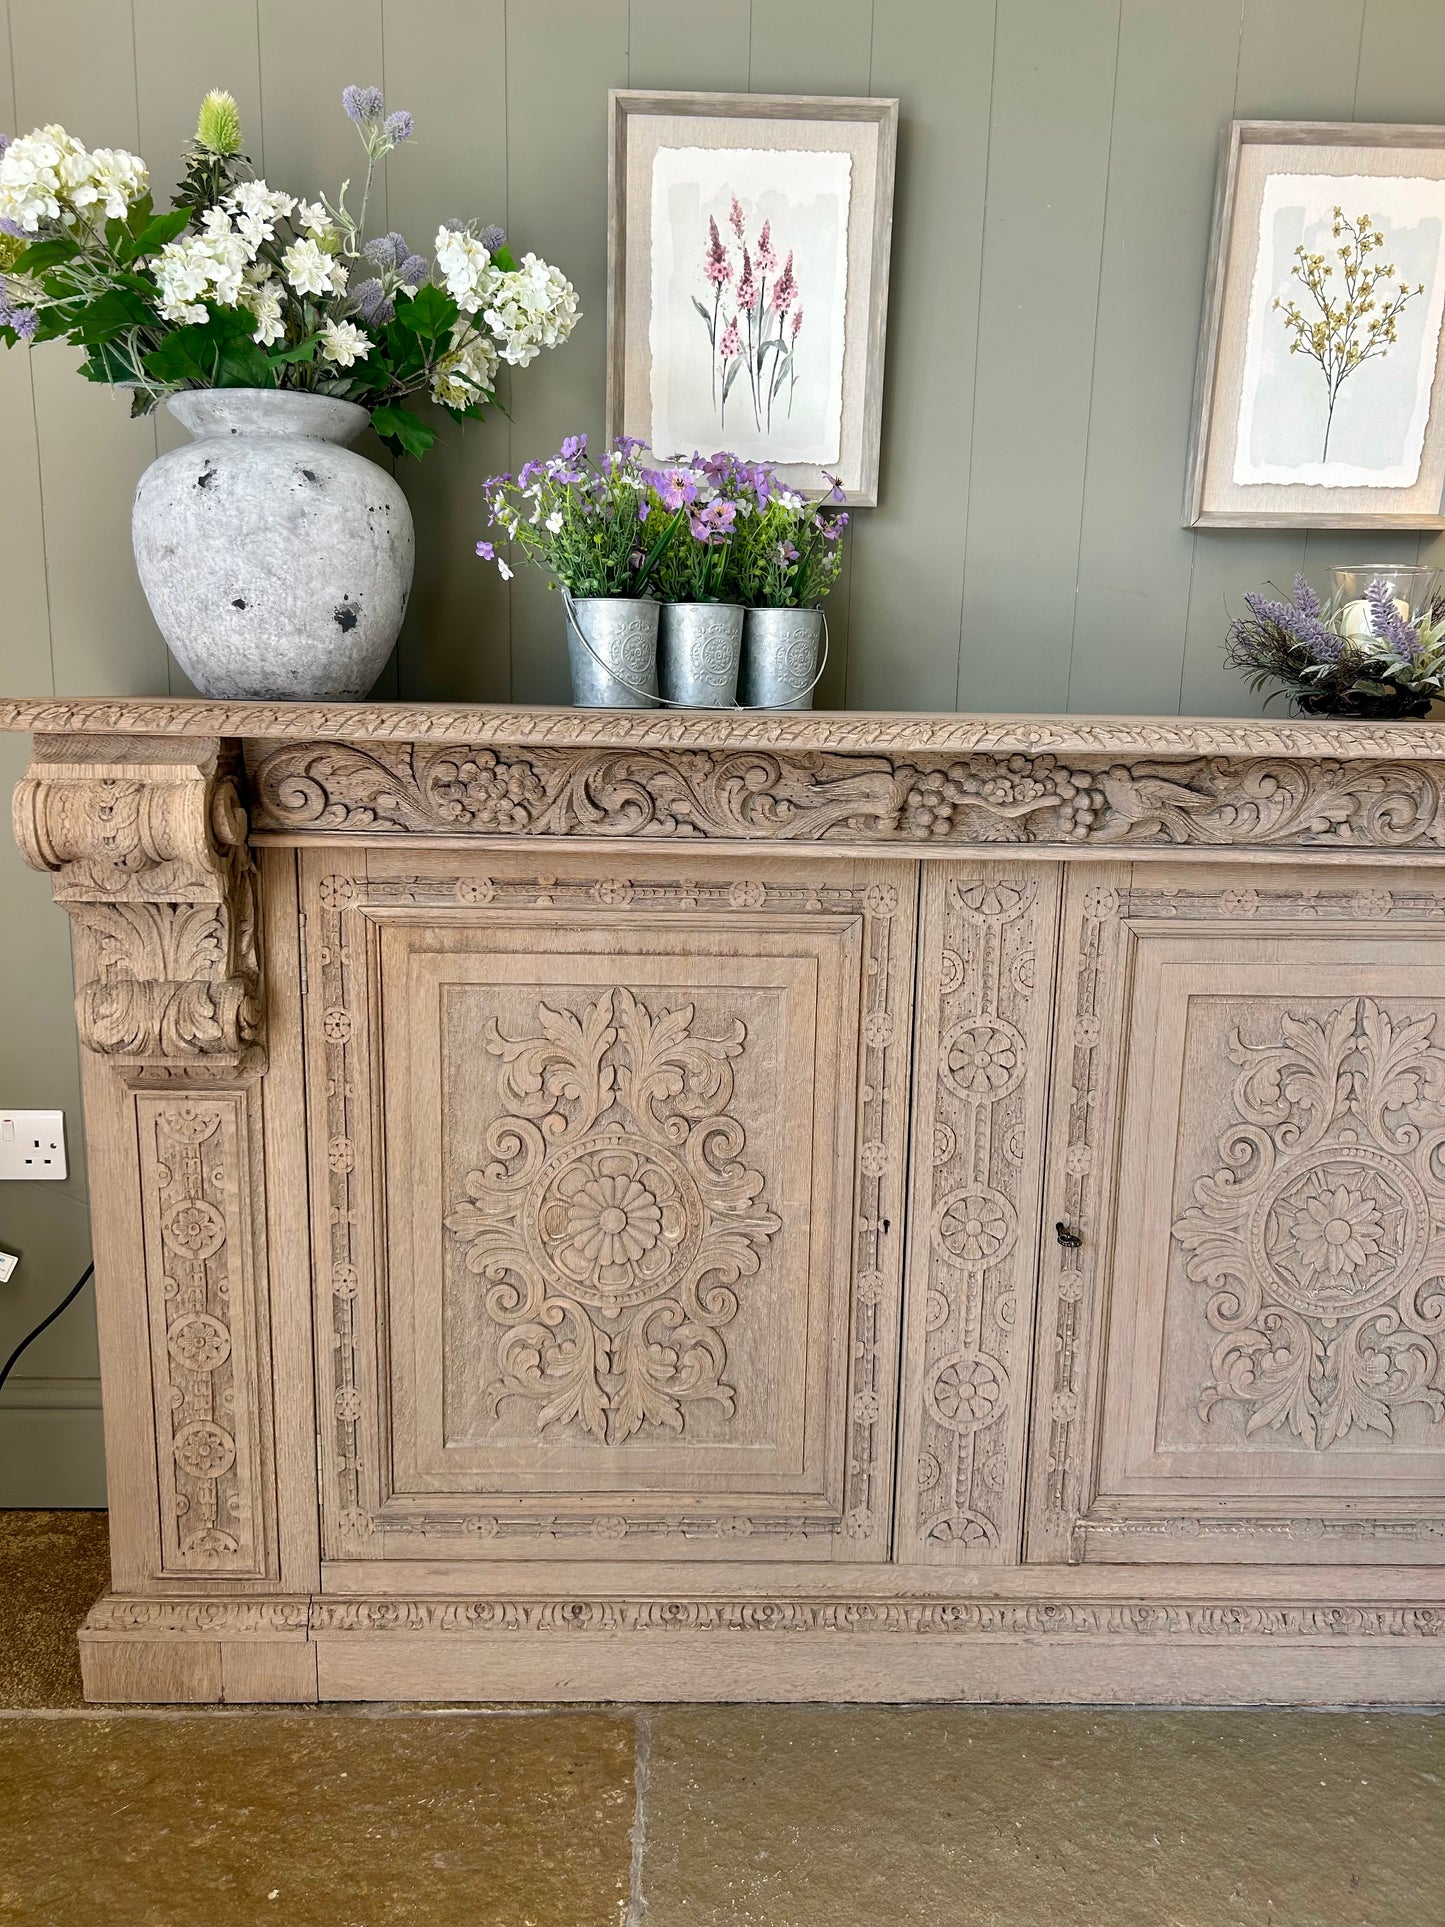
(41, 255)
(244, 364)
(155, 234)
(429, 313)
(706, 316)
(505, 259)
(194, 352)
(403, 432)
(110, 314)
(302, 351)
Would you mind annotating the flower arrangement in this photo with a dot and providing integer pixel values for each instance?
(242, 285)
(1330, 664)
(714, 529)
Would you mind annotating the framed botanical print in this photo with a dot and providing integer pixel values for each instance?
(1320, 393)
(748, 249)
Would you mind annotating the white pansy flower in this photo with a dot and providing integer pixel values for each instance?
(310, 271)
(343, 343)
(468, 372)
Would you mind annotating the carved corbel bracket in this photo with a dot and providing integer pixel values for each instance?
(145, 840)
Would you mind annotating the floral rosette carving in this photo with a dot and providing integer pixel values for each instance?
(1316, 1237)
(614, 1216)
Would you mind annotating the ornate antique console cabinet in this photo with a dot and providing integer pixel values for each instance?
(617, 1205)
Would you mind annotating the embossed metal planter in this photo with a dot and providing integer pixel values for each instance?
(699, 647)
(780, 662)
(612, 650)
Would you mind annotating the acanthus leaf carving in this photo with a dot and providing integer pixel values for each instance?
(147, 851)
(614, 1216)
(1315, 1235)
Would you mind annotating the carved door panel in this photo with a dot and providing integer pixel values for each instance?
(987, 939)
(613, 1173)
(1250, 1365)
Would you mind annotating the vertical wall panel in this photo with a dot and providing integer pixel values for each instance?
(1048, 160)
(907, 590)
(457, 638)
(685, 48)
(1297, 60)
(1174, 89)
(562, 56)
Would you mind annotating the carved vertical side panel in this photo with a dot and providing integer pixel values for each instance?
(1080, 1192)
(207, 1334)
(985, 992)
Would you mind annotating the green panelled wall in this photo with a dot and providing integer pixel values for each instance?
(1055, 171)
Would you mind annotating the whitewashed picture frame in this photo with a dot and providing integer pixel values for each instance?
(786, 201)
(1302, 420)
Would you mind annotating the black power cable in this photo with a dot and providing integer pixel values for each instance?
(49, 1319)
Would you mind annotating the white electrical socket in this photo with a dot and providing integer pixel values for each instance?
(8, 1262)
(32, 1144)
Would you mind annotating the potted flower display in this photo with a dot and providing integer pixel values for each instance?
(701, 627)
(277, 562)
(1369, 651)
(785, 559)
(597, 530)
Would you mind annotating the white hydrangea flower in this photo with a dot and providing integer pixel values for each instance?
(468, 372)
(310, 271)
(264, 299)
(532, 308)
(114, 180)
(197, 268)
(38, 173)
(257, 209)
(466, 267)
(343, 343)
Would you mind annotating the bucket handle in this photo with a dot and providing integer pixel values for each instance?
(651, 697)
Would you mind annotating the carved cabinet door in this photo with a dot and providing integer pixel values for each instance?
(1243, 1357)
(608, 1169)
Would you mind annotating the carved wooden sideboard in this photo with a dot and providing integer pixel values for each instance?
(635, 1205)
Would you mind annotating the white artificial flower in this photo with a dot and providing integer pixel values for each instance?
(503, 571)
(315, 218)
(468, 372)
(529, 309)
(37, 173)
(115, 179)
(264, 299)
(200, 267)
(310, 271)
(466, 267)
(343, 343)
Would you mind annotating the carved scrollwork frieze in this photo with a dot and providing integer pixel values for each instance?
(855, 796)
(145, 841)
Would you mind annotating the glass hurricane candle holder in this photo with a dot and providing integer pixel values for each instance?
(1412, 590)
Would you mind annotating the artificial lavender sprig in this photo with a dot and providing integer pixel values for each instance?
(1389, 625)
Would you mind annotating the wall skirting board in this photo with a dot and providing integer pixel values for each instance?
(615, 1205)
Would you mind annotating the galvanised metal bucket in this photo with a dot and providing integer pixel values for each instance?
(780, 666)
(612, 651)
(699, 645)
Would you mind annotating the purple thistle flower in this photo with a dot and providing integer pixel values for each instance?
(413, 270)
(375, 305)
(4, 143)
(364, 105)
(387, 250)
(1388, 624)
(493, 238)
(24, 321)
(454, 226)
(399, 127)
(12, 228)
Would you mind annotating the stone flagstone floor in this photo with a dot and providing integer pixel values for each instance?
(684, 1817)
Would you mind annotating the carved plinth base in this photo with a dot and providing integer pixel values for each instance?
(1075, 1643)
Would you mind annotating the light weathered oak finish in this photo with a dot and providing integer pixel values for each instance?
(756, 1206)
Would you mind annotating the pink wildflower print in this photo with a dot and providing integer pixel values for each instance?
(732, 342)
(716, 265)
(767, 260)
(797, 322)
(747, 287)
(785, 289)
(736, 217)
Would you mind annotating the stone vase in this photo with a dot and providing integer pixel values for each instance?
(277, 562)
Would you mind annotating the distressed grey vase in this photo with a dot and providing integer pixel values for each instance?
(277, 562)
